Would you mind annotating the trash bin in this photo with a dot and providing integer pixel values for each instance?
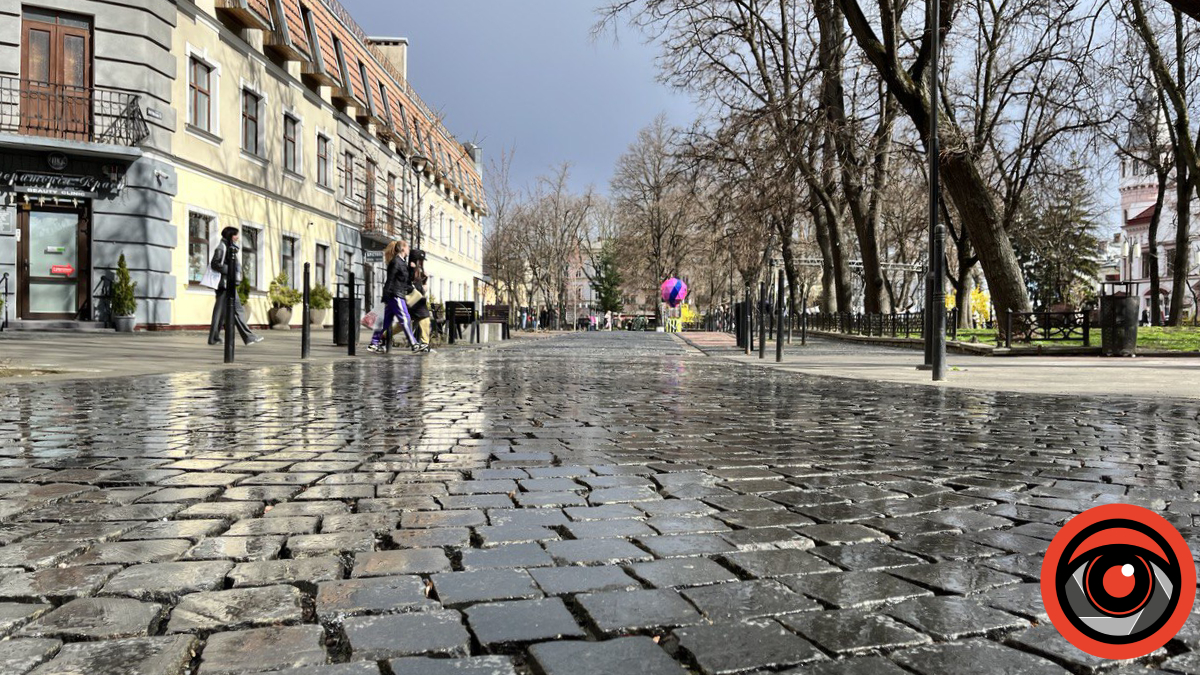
(1119, 321)
(342, 318)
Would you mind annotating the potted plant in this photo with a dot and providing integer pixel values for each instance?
(283, 298)
(319, 302)
(124, 304)
(243, 291)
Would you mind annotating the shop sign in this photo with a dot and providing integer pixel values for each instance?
(57, 161)
(65, 270)
(373, 256)
(8, 224)
(52, 185)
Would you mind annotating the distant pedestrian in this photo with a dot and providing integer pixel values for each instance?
(226, 251)
(420, 309)
(1145, 317)
(397, 285)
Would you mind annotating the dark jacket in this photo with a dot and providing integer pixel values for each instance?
(399, 279)
(220, 262)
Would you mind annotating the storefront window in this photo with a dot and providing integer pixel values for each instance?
(287, 262)
(321, 263)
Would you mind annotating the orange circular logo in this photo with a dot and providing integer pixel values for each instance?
(1118, 581)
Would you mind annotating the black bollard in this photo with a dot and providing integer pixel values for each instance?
(305, 330)
(230, 298)
(779, 320)
(762, 319)
(352, 328)
(804, 322)
(747, 323)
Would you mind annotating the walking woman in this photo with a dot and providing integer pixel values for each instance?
(420, 309)
(397, 285)
(228, 248)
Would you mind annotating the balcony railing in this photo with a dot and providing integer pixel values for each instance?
(88, 114)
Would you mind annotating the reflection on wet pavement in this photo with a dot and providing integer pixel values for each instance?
(596, 503)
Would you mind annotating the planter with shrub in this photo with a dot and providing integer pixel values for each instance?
(319, 302)
(283, 298)
(124, 304)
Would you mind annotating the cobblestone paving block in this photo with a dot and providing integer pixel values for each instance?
(1045, 640)
(360, 668)
(37, 555)
(514, 534)
(58, 583)
(428, 519)
(958, 577)
(974, 656)
(13, 615)
(777, 563)
(507, 555)
(611, 657)
(851, 631)
(748, 600)
(952, 618)
(237, 549)
(97, 619)
(571, 580)
(340, 543)
(237, 609)
(685, 545)
(867, 665)
(610, 512)
(192, 530)
(1027, 566)
(87, 532)
(475, 665)
(379, 522)
(725, 648)
(682, 572)
(432, 538)
(23, 655)
(457, 589)
(1021, 599)
(600, 529)
(374, 638)
(263, 649)
(766, 539)
(255, 527)
(165, 582)
(224, 510)
(621, 612)
(842, 533)
(596, 552)
(503, 624)
(306, 572)
(134, 552)
(871, 557)
(411, 561)
(855, 589)
(376, 595)
(170, 655)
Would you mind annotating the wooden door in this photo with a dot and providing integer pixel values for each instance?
(56, 74)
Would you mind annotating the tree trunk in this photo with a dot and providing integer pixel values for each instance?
(962, 299)
(1152, 233)
(1183, 229)
(822, 229)
(961, 177)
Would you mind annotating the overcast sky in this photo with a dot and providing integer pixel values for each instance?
(525, 74)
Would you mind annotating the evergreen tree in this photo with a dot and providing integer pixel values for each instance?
(1056, 243)
(606, 279)
(123, 301)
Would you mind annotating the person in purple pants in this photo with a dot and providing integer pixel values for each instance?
(398, 284)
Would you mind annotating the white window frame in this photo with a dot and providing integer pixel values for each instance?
(331, 157)
(259, 230)
(214, 238)
(297, 258)
(298, 172)
(213, 134)
(264, 151)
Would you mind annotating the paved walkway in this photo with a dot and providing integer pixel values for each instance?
(1158, 378)
(91, 355)
(593, 504)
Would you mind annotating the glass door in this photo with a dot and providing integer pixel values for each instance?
(53, 269)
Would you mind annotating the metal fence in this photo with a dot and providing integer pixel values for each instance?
(89, 114)
(907, 324)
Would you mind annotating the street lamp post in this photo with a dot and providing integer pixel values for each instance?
(935, 334)
(418, 162)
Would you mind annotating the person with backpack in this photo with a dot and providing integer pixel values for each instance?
(227, 249)
(396, 287)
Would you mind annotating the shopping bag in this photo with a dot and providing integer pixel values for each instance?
(211, 278)
(373, 320)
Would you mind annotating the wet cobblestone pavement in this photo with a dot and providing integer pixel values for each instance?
(593, 504)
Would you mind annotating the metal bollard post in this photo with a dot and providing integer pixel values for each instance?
(387, 331)
(779, 322)
(804, 323)
(748, 323)
(306, 330)
(762, 320)
(230, 299)
(352, 328)
(1087, 328)
(1008, 328)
